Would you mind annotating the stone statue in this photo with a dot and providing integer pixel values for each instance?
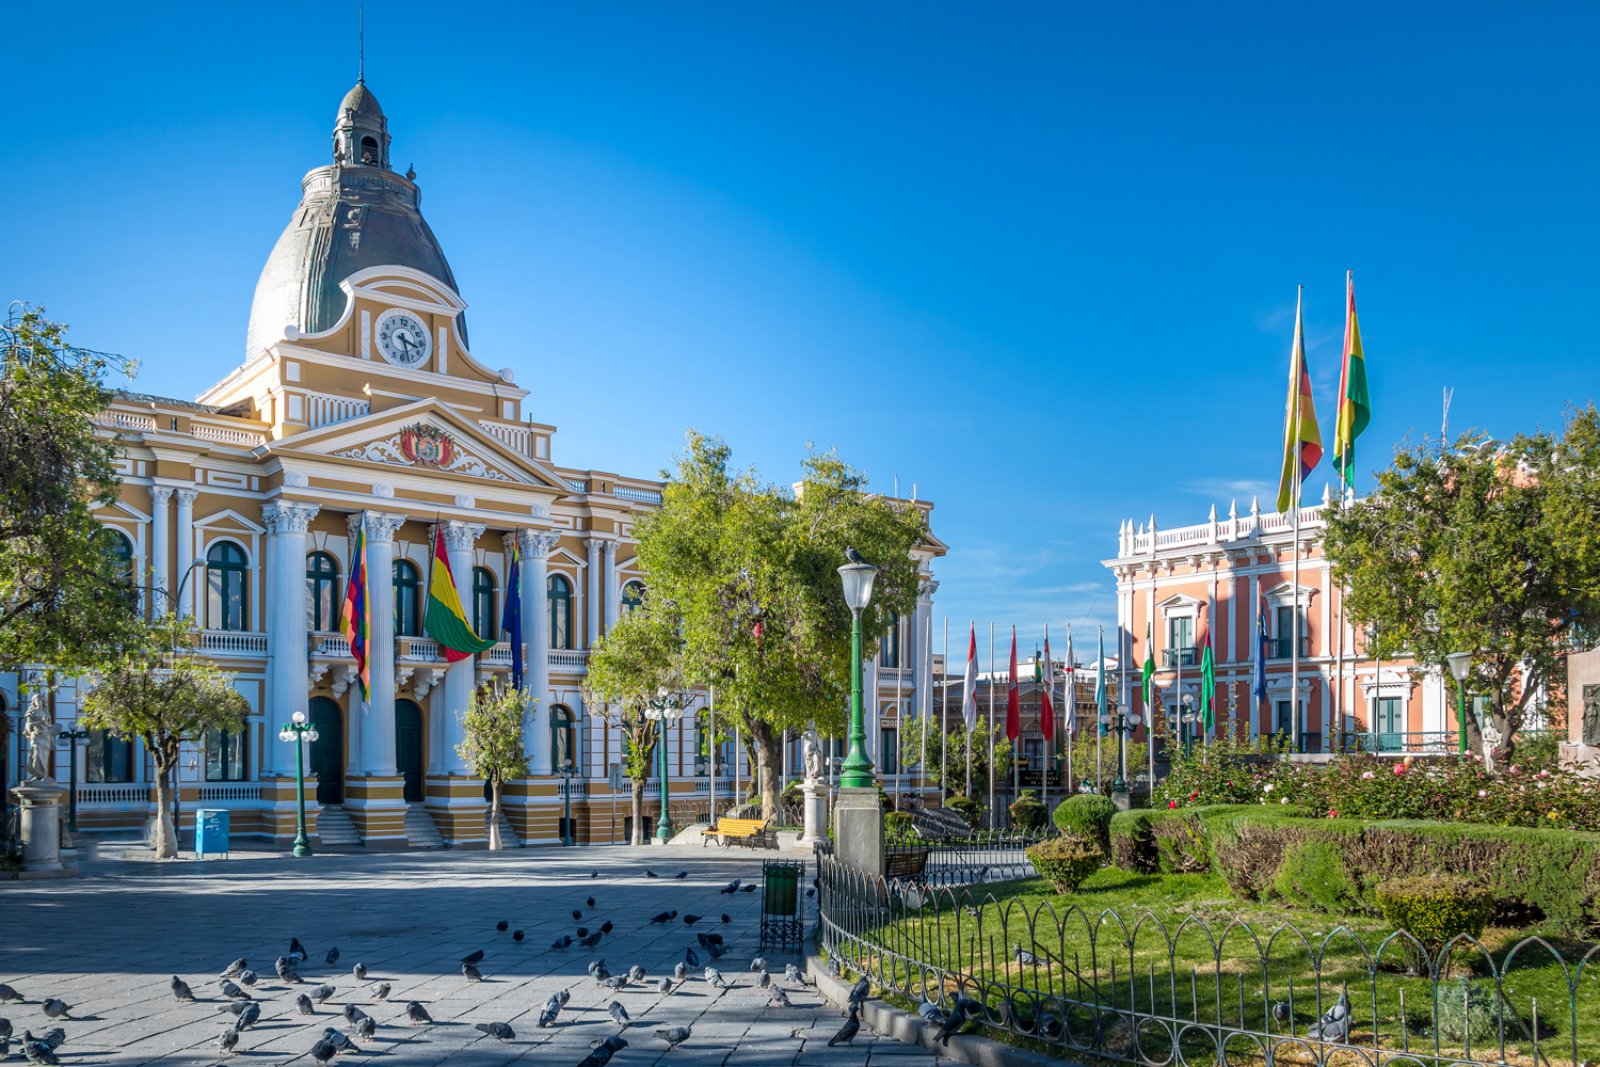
(812, 754)
(40, 734)
(1591, 715)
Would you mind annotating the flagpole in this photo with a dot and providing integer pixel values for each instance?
(1049, 688)
(1099, 729)
(899, 708)
(1014, 694)
(972, 637)
(1069, 697)
(926, 700)
(991, 726)
(944, 717)
(1294, 623)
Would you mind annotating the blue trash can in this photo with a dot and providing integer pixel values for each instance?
(210, 832)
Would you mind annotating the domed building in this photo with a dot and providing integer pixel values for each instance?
(359, 432)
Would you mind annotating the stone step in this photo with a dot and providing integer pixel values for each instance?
(508, 838)
(334, 828)
(420, 831)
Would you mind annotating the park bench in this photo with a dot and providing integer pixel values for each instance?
(907, 864)
(752, 832)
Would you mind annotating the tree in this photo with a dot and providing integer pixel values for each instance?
(1484, 548)
(751, 573)
(64, 595)
(161, 694)
(638, 660)
(947, 749)
(491, 744)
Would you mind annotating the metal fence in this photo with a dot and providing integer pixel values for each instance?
(981, 857)
(1218, 992)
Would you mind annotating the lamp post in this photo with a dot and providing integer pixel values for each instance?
(1186, 723)
(1123, 723)
(664, 709)
(298, 730)
(566, 771)
(72, 737)
(1460, 664)
(856, 773)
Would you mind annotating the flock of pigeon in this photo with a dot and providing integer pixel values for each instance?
(244, 995)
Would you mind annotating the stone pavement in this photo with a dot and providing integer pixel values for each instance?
(109, 943)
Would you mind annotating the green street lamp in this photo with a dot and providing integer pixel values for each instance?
(666, 710)
(858, 575)
(1186, 723)
(1460, 664)
(566, 772)
(1123, 723)
(72, 737)
(296, 731)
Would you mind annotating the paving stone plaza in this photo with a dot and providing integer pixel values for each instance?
(109, 943)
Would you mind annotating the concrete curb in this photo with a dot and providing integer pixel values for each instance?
(911, 1029)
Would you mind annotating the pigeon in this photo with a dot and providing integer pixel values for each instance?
(417, 1014)
(562, 942)
(681, 875)
(852, 555)
(286, 970)
(563, 995)
(751, 888)
(576, 914)
(232, 991)
(680, 971)
(353, 1015)
(180, 990)
(636, 973)
(954, 1021)
(367, 1028)
(55, 1037)
(1280, 1011)
(583, 931)
(332, 959)
(590, 902)
(704, 940)
(597, 970)
(715, 980)
(847, 1032)
(778, 999)
(517, 936)
(811, 891)
(932, 1012)
(5, 1029)
(1335, 1022)
(764, 980)
(607, 926)
(249, 1016)
(661, 917)
(665, 985)
(792, 975)
(322, 992)
(502, 926)
(592, 940)
(381, 993)
(616, 983)
(691, 957)
(648, 873)
(858, 993)
(234, 1007)
(690, 920)
(303, 1005)
(716, 951)
(56, 1008)
(673, 1035)
(594, 874)
(833, 968)
(1024, 958)
(471, 973)
(295, 946)
(235, 969)
(498, 1031)
(323, 1051)
(8, 994)
(619, 1014)
(759, 963)
(36, 1051)
(726, 918)
(247, 978)
(547, 1017)
(339, 1041)
(228, 1040)
(359, 972)
(603, 1052)
(473, 957)
(731, 888)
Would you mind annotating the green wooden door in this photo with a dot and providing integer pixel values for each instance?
(326, 757)
(408, 747)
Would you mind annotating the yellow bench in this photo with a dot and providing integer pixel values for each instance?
(752, 832)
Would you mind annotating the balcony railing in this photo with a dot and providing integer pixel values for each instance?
(1406, 742)
(1283, 647)
(569, 659)
(1179, 657)
(416, 648)
(233, 643)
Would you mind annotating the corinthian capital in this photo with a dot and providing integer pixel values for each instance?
(461, 535)
(285, 516)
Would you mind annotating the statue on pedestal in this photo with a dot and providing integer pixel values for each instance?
(811, 749)
(40, 734)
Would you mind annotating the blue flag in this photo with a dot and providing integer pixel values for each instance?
(511, 617)
(1261, 651)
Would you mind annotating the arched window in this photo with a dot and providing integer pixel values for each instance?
(369, 151)
(406, 584)
(559, 591)
(226, 589)
(483, 617)
(632, 596)
(122, 552)
(889, 654)
(563, 738)
(322, 592)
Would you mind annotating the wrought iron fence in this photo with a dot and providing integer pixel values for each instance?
(1211, 993)
(994, 856)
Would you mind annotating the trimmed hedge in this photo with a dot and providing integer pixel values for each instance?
(1172, 842)
(1089, 815)
(1314, 876)
(1066, 861)
(1433, 908)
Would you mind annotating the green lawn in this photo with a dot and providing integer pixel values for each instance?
(1182, 947)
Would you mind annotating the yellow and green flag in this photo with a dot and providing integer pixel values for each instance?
(445, 620)
(1302, 440)
(1355, 410)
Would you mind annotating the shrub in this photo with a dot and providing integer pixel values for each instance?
(1314, 876)
(1087, 815)
(966, 807)
(1433, 908)
(1027, 813)
(1132, 846)
(898, 824)
(1066, 861)
(1475, 1011)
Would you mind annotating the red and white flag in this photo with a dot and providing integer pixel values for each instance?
(1013, 704)
(969, 686)
(1047, 707)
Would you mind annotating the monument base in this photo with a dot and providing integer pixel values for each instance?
(858, 829)
(816, 812)
(40, 821)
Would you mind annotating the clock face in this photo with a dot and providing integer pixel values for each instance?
(402, 338)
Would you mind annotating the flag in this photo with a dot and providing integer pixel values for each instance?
(1013, 704)
(969, 685)
(1149, 672)
(511, 615)
(1355, 410)
(1047, 707)
(355, 618)
(1208, 678)
(446, 620)
(1261, 651)
(1302, 441)
(1069, 689)
(1100, 681)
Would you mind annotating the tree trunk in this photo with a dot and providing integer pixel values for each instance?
(494, 816)
(164, 836)
(765, 741)
(637, 800)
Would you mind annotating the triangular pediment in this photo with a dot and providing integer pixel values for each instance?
(426, 437)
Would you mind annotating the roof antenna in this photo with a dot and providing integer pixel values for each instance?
(361, 42)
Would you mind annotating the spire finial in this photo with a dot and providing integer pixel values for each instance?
(361, 42)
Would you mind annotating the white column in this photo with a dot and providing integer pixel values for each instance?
(536, 547)
(922, 641)
(186, 555)
(869, 700)
(288, 686)
(613, 590)
(591, 612)
(460, 677)
(160, 549)
(1255, 655)
(377, 718)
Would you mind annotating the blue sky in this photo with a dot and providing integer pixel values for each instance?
(1038, 260)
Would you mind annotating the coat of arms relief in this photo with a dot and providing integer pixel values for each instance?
(429, 447)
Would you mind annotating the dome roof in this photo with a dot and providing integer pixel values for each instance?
(361, 101)
(349, 218)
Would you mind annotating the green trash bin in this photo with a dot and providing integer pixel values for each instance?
(781, 921)
(210, 832)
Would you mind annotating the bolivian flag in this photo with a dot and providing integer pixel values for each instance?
(446, 621)
(355, 618)
(1355, 410)
(1302, 440)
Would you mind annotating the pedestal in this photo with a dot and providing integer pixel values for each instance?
(858, 830)
(816, 812)
(40, 801)
(1121, 799)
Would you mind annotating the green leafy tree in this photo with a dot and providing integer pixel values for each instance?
(639, 660)
(1485, 548)
(491, 744)
(751, 572)
(947, 753)
(158, 692)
